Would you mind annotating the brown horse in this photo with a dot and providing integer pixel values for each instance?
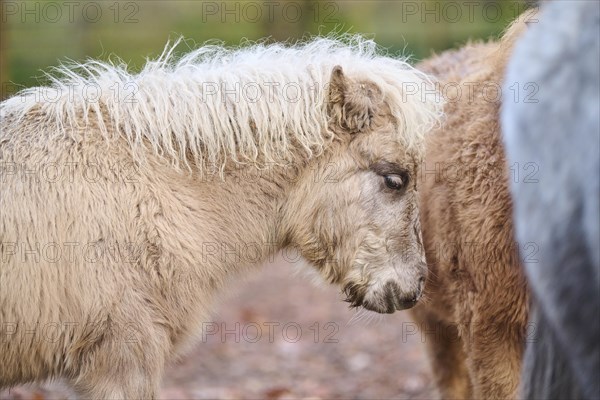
(475, 310)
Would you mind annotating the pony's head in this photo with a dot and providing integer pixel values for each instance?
(353, 213)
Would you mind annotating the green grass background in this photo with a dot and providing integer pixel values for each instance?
(40, 34)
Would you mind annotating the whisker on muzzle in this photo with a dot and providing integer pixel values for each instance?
(365, 317)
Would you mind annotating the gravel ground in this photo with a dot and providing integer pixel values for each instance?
(278, 336)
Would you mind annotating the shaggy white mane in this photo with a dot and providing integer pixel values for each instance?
(248, 104)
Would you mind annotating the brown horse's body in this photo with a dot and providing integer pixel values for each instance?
(475, 310)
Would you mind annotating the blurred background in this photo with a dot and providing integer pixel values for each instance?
(310, 345)
(38, 34)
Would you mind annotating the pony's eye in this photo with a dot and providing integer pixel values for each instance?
(394, 182)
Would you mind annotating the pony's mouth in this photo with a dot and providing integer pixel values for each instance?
(389, 305)
(385, 301)
(355, 294)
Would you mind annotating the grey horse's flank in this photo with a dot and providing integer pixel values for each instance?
(560, 134)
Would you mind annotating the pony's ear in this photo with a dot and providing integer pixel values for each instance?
(352, 105)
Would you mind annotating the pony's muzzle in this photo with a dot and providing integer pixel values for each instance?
(391, 298)
(393, 292)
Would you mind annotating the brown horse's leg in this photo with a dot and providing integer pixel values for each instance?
(494, 358)
(446, 355)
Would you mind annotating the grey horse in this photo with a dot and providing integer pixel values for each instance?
(558, 130)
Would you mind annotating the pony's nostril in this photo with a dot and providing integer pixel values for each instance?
(404, 304)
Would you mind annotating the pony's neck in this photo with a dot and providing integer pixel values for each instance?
(239, 216)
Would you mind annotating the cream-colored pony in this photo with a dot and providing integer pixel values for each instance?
(130, 200)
